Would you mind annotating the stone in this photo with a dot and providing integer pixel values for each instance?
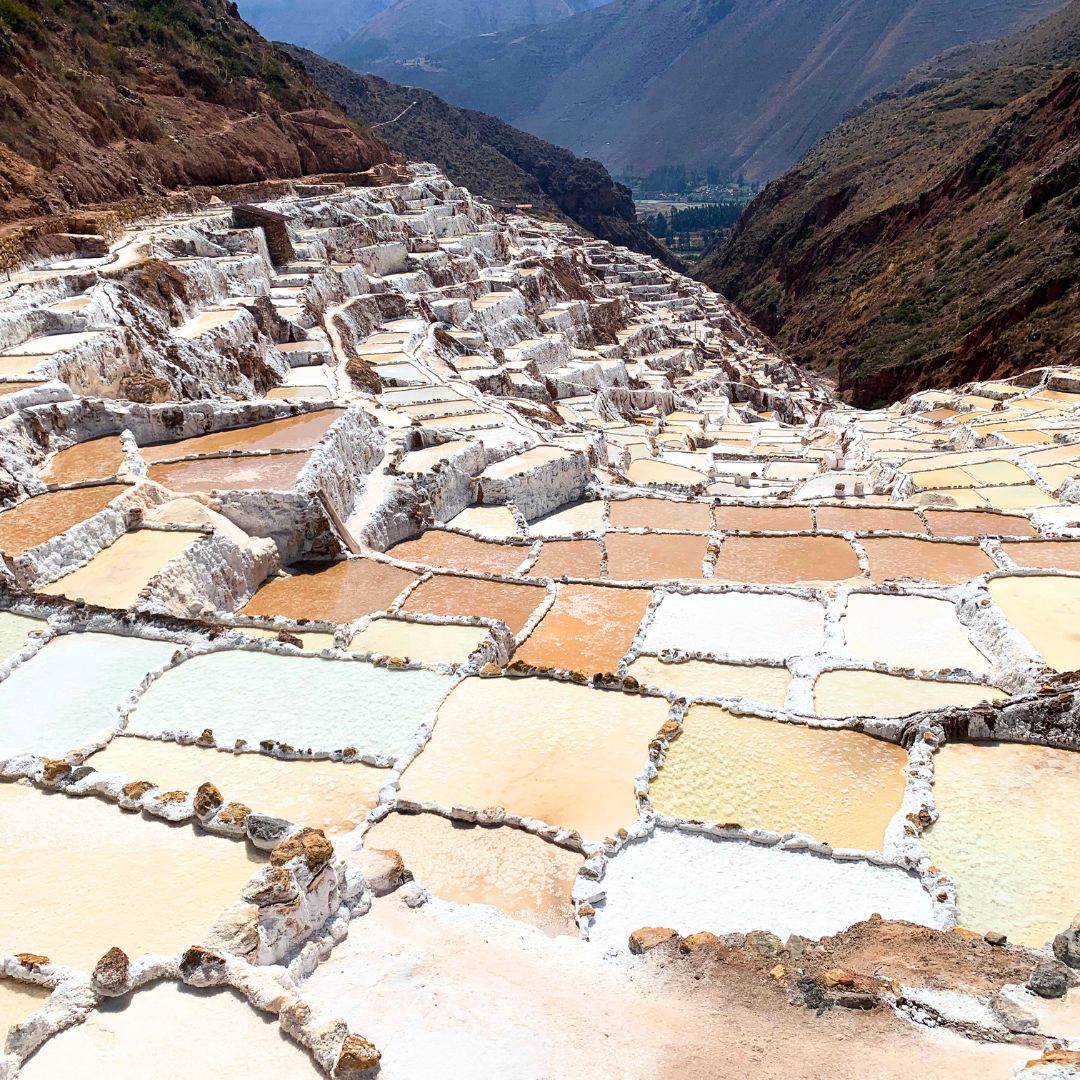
(234, 813)
(137, 789)
(203, 967)
(236, 931)
(768, 946)
(1070, 1059)
(357, 1058)
(383, 870)
(1067, 945)
(275, 885)
(992, 937)
(1050, 979)
(54, 770)
(309, 845)
(207, 800)
(112, 974)
(33, 961)
(698, 942)
(649, 937)
(266, 832)
(1012, 1014)
(837, 977)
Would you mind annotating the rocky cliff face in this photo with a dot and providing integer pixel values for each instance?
(931, 239)
(489, 156)
(107, 99)
(745, 86)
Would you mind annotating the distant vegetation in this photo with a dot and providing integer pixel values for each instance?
(688, 230)
(710, 184)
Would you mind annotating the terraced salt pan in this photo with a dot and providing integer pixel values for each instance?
(271, 472)
(655, 556)
(306, 702)
(314, 641)
(893, 558)
(292, 433)
(1046, 610)
(951, 523)
(782, 560)
(15, 631)
(692, 883)
(325, 795)
(457, 551)
(589, 629)
(857, 519)
(17, 1001)
(514, 871)
(213, 1033)
(116, 575)
(44, 516)
(447, 594)
(707, 679)
(763, 518)
(1004, 813)
(737, 626)
(69, 692)
(874, 693)
(645, 513)
(567, 558)
(143, 885)
(909, 631)
(429, 643)
(563, 753)
(494, 522)
(421, 461)
(653, 471)
(579, 517)
(95, 459)
(331, 592)
(1045, 554)
(841, 787)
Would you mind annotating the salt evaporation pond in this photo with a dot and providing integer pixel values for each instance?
(739, 626)
(456, 551)
(15, 631)
(691, 883)
(448, 594)
(909, 631)
(69, 692)
(784, 560)
(1046, 610)
(841, 787)
(563, 753)
(95, 459)
(1016, 867)
(269, 472)
(708, 679)
(655, 556)
(116, 576)
(894, 558)
(211, 1032)
(568, 558)
(36, 520)
(874, 693)
(85, 876)
(328, 795)
(520, 874)
(429, 643)
(17, 1001)
(307, 702)
(646, 513)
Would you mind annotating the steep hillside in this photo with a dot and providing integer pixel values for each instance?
(739, 84)
(105, 99)
(411, 28)
(934, 238)
(488, 156)
(315, 24)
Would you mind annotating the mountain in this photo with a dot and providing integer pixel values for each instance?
(105, 99)
(315, 24)
(935, 236)
(744, 85)
(487, 155)
(412, 28)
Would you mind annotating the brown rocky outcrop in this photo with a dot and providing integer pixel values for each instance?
(309, 845)
(357, 1058)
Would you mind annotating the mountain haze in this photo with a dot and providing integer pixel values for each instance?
(934, 237)
(744, 85)
(314, 24)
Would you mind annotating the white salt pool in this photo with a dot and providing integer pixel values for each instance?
(307, 702)
(69, 692)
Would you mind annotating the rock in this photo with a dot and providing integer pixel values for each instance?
(837, 977)
(1050, 979)
(112, 974)
(768, 946)
(207, 800)
(53, 770)
(275, 885)
(310, 845)
(698, 942)
(202, 967)
(779, 973)
(1066, 1058)
(1067, 945)
(236, 931)
(992, 937)
(266, 832)
(206, 739)
(490, 671)
(414, 895)
(234, 813)
(383, 870)
(358, 1057)
(649, 937)
(1012, 1014)
(136, 789)
(856, 999)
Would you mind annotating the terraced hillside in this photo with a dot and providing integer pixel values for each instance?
(935, 236)
(488, 156)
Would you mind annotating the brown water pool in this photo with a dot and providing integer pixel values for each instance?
(655, 556)
(893, 558)
(269, 472)
(447, 594)
(781, 560)
(455, 551)
(44, 516)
